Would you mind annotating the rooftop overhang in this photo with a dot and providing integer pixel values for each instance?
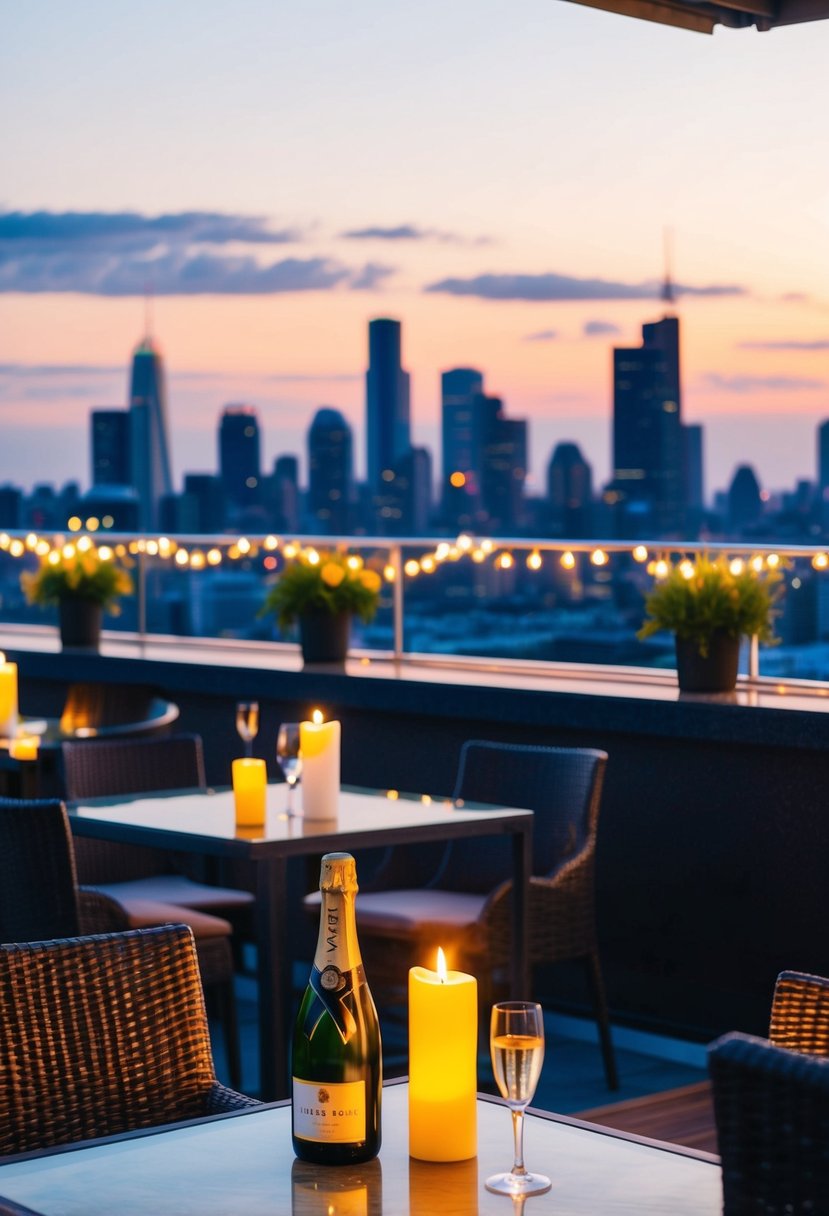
(701, 16)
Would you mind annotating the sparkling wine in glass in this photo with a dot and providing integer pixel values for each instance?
(288, 757)
(516, 1043)
(247, 723)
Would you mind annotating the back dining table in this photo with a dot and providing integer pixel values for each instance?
(203, 823)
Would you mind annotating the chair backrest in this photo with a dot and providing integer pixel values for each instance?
(800, 1013)
(772, 1112)
(100, 1035)
(128, 766)
(38, 889)
(106, 710)
(562, 785)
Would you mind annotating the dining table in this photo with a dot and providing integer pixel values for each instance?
(244, 1162)
(203, 822)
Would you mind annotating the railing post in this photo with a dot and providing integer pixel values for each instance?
(753, 657)
(141, 595)
(396, 556)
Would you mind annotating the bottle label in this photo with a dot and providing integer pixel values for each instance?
(330, 1113)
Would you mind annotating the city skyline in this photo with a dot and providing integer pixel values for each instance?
(510, 215)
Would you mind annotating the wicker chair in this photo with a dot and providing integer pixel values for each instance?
(129, 872)
(771, 1103)
(465, 904)
(40, 899)
(101, 1035)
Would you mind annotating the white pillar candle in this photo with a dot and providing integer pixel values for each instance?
(319, 747)
(8, 698)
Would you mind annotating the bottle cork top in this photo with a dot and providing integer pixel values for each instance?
(338, 872)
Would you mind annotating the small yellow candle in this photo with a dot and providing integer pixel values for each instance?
(250, 782)
(24, 747)
(443, 1048)
(319, 747)
(8, 698)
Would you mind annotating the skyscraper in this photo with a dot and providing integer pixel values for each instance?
(111, 448)
(569, 491)
(239, 459)
(460, 389)
(387, 402)
(330, 472)
(503, 466)
(149, 443)
(647, 428)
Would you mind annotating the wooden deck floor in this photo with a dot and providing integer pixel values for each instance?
(682, 1116)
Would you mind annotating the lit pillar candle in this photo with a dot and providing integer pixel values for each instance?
(319, 747)
(24, 747)
(250, 782)
(8, 698)
(443, 1050)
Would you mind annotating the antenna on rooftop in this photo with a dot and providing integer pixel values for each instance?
(667, 292)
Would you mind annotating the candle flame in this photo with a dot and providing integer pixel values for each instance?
(317, 717)
(441, 966)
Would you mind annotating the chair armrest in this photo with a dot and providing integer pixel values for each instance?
(99, 913)
(219, 1099)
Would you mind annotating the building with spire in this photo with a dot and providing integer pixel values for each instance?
(149, 439)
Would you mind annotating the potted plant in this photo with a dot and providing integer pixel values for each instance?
(323, 591)
(709, 604)
(84, 582)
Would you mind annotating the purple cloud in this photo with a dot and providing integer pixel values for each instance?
(786, 344)
(753, 384)
(599, 329)
(543, 335)
(550, 286)
(411, 232)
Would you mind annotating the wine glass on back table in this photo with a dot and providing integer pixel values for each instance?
(516, 1043)
(288, 757)
(247, 723)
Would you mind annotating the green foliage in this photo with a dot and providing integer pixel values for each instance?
(323, 582)
(697, 599)
(77, 573)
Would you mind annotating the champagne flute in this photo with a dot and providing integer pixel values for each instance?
(247, 723)
(288, 757)
(516, 1043)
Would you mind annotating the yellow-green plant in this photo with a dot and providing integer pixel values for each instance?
(323, 582)
(80, 573)
(709, 595)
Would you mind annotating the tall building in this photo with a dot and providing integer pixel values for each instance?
(647, 428)
(745, 505)
(149, 443)
(202, 505)
(281, 494)
(460, 390)
(569, 492)
(387, 402)
(823, 472)
(503, 467)
(330, 473)
(110, 433)
(239, 457)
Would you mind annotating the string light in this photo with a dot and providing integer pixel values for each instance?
(412, 568)
(427, 564)
(389, 573)
(505, 561)
(737, 566)
(599, 558)
(568, 561)
(661, 568)
(243, 544)
(686, 569)
(639, 553)
(820, 561)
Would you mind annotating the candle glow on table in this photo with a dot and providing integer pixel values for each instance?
(24, 747)
(319, 747)
(443, 1045)
(250, 782)
(8, 698)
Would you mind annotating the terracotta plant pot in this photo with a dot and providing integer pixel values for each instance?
(714, 672)
(80, 624)
(324, 636)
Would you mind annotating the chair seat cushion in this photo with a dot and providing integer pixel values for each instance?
(180, 890)
(413, 913)
(146, 913)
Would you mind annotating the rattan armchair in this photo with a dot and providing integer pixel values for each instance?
(101, 1035)
(40, 899)
(771, 1103)
(465, 904)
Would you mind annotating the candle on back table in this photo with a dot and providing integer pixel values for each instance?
(319, 747)
(8, 698)
(250, 783)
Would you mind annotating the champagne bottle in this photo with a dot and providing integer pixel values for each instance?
(337, 1063)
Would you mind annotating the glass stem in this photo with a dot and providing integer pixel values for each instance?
(291, 785)
(518, 1136)
(249, 747)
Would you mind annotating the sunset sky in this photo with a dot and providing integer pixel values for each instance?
(498, 176)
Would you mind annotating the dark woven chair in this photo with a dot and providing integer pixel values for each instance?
(40, 899)
(129, 872)
(101, 1035)
(465, 903)
(771, 1104)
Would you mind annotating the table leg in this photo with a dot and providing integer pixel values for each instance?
(273, 973)
(522, 856)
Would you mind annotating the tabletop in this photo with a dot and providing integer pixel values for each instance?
(245, 1163)
(200, 820)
